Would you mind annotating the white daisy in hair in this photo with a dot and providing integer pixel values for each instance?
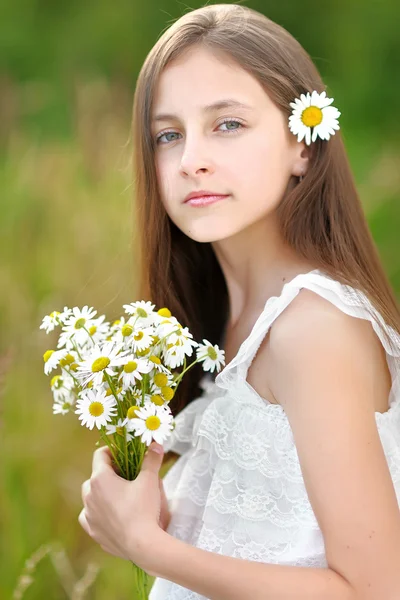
(76, 325)
(312, 111)
(95, 408)
(211, 356)
(132, 369)
(98, 361)
(142, 311)
(52, 359)
(119, 429)
(151, 422)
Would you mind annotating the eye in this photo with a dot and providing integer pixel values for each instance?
(162, 134)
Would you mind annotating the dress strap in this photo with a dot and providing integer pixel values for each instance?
(348, 299)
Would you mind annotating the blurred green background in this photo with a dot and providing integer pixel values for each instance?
(67, 77)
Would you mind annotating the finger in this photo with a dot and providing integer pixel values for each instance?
(152, 460)
(85, 489)
(101, 459)
(83, 522)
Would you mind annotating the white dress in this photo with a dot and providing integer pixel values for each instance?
(237, 488)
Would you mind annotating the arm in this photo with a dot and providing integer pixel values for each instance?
(219, 577)
(319, 359)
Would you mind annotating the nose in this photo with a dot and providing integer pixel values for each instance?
(194, 160)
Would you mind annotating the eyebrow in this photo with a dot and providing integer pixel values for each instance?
(225, 103)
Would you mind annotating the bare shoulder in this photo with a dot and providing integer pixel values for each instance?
(313, 335)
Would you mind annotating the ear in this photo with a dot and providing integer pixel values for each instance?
(301, 160)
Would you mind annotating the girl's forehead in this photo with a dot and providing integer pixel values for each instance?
(205, 83)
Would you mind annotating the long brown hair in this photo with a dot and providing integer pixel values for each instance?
(322, 218)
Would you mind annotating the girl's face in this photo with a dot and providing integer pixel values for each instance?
(247, 151)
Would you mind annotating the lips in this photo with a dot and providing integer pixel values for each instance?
(202, 194)
(205, 200)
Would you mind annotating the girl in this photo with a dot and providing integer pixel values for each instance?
(290, 457)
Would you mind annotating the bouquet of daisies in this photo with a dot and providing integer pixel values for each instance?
(120, 377)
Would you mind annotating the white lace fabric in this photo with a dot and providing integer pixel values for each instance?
(237, 488)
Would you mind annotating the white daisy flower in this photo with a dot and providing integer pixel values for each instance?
(211, 356)
(132, 369)
(175, 352)
(95, 408)
(122, 331)
(151, 423)
(157, 365)
(98, 361)
(99, 330)
(54, 319)
(62, 407)
(52, 359)
(313, 111)
(174, 357)
(119, 429)
(75, 326)
(61, 386)
(167, 325)
(51, 321)
(142, 338)
(143, 311)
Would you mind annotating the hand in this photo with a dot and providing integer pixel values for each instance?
(165, 515)
(122, 516)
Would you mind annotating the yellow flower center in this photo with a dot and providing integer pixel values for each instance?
(130, 366)
(164, 312)
(311, 116)
(120, 430)
(74, 366)
(154, 359)
(156, 399)
(143, 352)
(141, 312)
(127, 330)
(153, 423)
(67, 360)
(138, 336)
(117, 322)
(66, 405)
(80, 323)
(92, 330)
(90, 384)
(212, 353)
(96, 409)
(100, 364)
(167, 392)
(47, 355)
(54, 314)
(160, 379)
(108, 392)
(131, 414)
